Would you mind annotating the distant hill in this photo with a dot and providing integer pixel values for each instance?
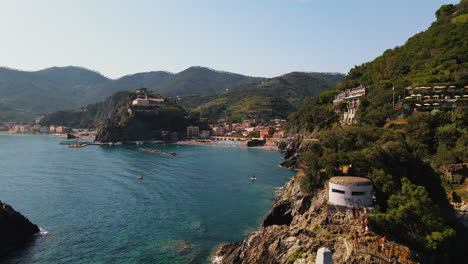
(150, 80)
(25, 95)
(271, 98)
(202, 81)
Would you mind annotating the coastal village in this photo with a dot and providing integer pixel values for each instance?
(369, 167)
(222, 129)
(346, 103)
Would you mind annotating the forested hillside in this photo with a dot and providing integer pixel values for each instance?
(203, 81)
(271, 98)
(89, 116)
(402, 151)
(26, 95)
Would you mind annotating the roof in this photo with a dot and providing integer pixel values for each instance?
(350, 180)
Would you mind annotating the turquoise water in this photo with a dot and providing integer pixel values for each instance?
(96, 210)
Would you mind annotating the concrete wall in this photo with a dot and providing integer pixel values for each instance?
(347, 198)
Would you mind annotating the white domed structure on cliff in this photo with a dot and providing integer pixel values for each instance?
(350, 191)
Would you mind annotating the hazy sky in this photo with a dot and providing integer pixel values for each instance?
(253, 37)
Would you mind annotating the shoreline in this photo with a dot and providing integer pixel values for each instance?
(241, 145)
(43, 135)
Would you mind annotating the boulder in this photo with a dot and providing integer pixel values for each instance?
(15, 229)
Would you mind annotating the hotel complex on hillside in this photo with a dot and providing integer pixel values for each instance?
(352, 99)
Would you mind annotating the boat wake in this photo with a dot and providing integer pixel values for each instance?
(43, 232)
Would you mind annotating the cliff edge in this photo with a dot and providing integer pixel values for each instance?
(298, 225)
(15, 229)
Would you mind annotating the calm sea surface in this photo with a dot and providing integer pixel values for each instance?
(96, 210)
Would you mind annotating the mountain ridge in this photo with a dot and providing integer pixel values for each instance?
(25, 95)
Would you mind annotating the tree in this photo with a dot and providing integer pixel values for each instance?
(412, 219)
(445, 10)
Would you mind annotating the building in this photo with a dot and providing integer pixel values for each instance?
(350, 191)
(174, 136)
(218, 131)
(266, 132)
(193, 131)
(352, 98)
(205, 134)
(148, 102)
(437, 96)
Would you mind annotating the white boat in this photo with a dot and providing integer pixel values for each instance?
(253, 178)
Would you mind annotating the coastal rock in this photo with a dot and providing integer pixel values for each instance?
(298, 225)
(15, 229)
(293, 151)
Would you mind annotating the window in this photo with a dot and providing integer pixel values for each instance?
(358, 193)
(338, 191)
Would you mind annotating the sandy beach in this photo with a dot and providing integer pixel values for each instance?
(239, 144)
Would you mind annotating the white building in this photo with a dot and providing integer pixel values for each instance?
(350, 191)
(352, 97)
(148, 101)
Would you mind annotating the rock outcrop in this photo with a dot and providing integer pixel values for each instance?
(133, 123)
(15, 229)
(293, 150)
(297, 226)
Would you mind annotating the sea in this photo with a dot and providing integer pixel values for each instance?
(103, 204)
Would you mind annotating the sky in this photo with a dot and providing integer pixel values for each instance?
(252, 37)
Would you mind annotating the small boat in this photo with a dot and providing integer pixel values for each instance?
(253, 178)
(140, 177)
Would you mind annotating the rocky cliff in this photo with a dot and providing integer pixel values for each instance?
(298, 225)
(133, 123)
(15, 229)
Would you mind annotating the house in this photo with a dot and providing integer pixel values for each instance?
(174, 136)
(148, 102)
(205, 134)
(352, 98)
(193, 131)
(437, 96)
(266, 132)
(218, 131)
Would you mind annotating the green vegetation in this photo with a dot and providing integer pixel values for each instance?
(314, 114)
(272, 98)
(26, 95)
(203, 81)
(295, 256)
(402, 161)
(89, 116)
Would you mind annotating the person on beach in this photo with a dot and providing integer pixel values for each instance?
(356, 240)
(365, 209)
